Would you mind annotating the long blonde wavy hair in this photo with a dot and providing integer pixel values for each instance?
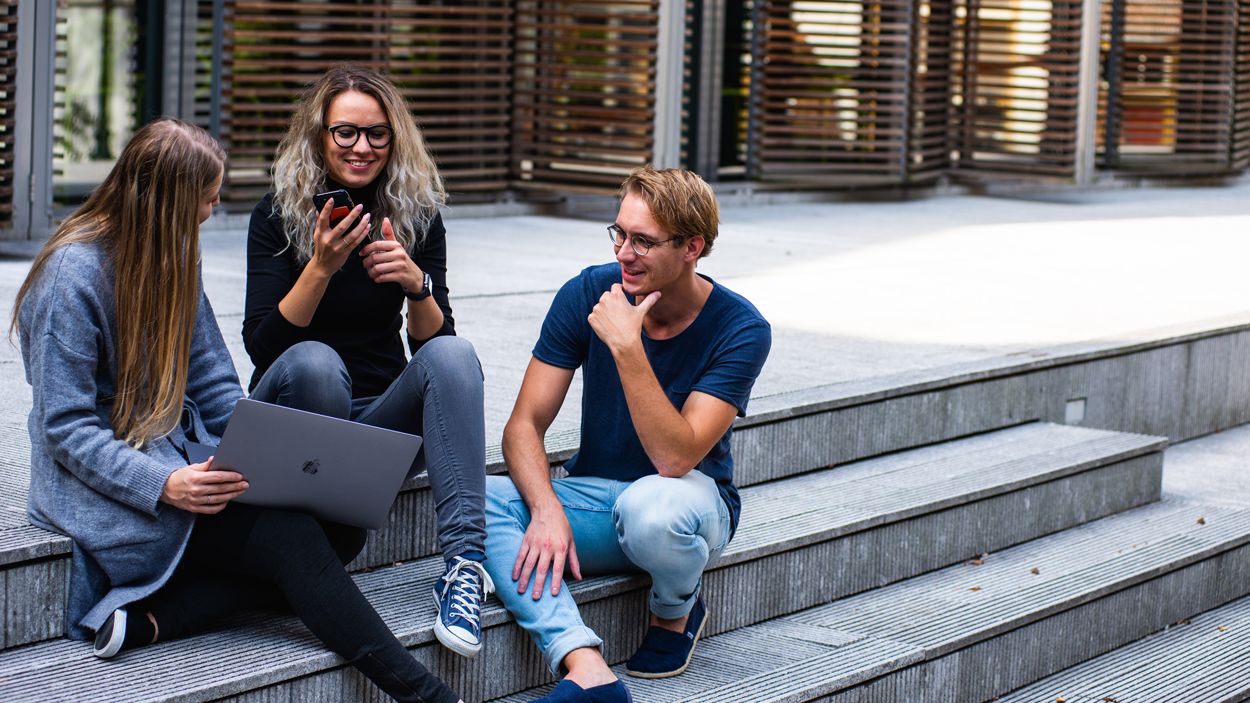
(411, 190)
(145, 216)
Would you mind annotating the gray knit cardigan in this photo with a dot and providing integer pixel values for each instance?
(85, 483)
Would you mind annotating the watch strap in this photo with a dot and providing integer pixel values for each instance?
(427, 287)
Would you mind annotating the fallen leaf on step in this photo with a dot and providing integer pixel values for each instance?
(1108, 699)
(1034, 571)
(975, 588)
(1183, 622)
(1060, 699)
(1221, 628)
(1202, 521)
(976, 562)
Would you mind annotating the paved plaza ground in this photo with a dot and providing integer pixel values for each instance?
(856, 292)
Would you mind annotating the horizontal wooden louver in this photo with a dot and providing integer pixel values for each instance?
(584, 111)
(1240, 157)
(929, 150)
(8, 106)
(831, 99)
(454, 64)
(1015, 104)
(451, 61)
(1168, 102)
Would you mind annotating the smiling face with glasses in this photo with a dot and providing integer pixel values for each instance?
(346, 135)
(651, 259)
(349, 159)
(642, 245)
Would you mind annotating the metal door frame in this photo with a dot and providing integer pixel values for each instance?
(34, 216)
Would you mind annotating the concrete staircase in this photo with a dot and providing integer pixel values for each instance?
(1199, 659)
(857, 573)
(978, 629)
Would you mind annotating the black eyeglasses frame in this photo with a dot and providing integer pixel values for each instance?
(357, 130)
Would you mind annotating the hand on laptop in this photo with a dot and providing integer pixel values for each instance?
(198, 488)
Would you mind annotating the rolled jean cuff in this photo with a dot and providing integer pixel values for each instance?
(568, 641)
(672, 612)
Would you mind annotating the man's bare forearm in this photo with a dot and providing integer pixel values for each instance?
(666, 436)
(528, 467)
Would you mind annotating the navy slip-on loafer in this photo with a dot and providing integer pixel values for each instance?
(568, 692)
(666, 653)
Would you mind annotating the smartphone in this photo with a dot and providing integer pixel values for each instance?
(342, 203)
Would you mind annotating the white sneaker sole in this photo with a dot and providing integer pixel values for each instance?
(117, 636)
(449, 638)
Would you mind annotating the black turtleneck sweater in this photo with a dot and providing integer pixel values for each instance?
(356, 317)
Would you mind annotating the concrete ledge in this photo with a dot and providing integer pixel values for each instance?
(1209, 340)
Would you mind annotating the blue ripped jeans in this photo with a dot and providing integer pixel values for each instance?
(668, 527)
(438, 396)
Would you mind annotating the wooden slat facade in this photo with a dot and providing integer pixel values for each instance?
(1168, 100)
(830, 102)
(851, 93)
(584, 92)
(1015, 104)
(8, 106)
(452, 61)
(560, 95)
(929, 149)
(1240, 154)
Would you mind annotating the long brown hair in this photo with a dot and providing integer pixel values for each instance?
(411, 189)
(144, 215)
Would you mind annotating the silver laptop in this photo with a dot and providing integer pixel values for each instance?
(335, 469)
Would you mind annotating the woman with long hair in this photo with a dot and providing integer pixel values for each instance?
(127, 365)
(327, 296)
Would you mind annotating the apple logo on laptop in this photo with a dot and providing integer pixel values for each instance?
(310, 467)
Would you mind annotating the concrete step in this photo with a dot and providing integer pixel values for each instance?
(891, 517)
(1200, 659)
(974, 631)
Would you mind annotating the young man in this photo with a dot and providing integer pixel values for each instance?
(668, 359)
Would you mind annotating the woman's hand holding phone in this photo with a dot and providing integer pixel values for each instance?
(332, 244)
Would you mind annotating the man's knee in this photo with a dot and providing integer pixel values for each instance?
(656, 497)
(656, 513)
(654, 508)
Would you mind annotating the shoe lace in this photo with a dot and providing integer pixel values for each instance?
(466, 580)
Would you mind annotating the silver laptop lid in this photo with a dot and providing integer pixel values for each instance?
(335, 469)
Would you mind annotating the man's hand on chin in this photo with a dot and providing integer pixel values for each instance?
(616, 321)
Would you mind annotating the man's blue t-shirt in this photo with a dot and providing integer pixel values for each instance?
(720, 354)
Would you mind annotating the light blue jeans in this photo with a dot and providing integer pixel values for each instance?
(668, 527)
(438, 396)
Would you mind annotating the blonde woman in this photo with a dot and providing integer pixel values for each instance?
(127, 364)
(326, 301)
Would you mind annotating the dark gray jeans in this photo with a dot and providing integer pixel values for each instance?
(438, 396)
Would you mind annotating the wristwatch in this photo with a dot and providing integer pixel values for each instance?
(427, 287)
